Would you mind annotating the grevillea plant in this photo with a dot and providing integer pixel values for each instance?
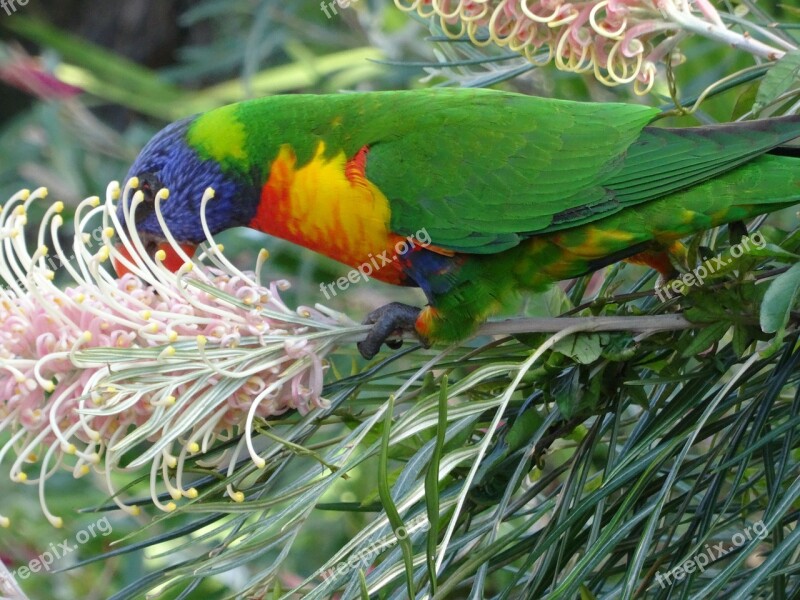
(619, 41)
(155, 364)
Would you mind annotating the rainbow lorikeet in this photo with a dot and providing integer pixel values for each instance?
(503, 191)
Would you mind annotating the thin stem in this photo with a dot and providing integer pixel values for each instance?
(555, 324)
(692, 23)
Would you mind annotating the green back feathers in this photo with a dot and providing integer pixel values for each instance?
(481, 170)
(475, 167)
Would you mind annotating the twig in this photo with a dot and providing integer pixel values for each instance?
(553, 324)
(716, 31)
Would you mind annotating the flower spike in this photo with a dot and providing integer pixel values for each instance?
(159, 363)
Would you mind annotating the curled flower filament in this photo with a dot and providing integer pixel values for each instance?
(620, 41)
(156, 363)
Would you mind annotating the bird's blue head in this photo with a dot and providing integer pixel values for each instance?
(168, 161)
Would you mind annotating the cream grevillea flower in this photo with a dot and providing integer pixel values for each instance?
(171, 362)
(620, 41)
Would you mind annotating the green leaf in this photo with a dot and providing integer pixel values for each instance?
(779, 299)
(779, 79)
(790, 9)
(774, 251)
(432, 486)
(584, 349)
(385, 494)
(741, 339)
(705, 338)
(522, 429)
(745, 101)
(568, 394)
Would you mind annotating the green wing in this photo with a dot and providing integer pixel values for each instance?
(478, 169)
(482, 175)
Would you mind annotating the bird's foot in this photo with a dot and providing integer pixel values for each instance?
(388, 321)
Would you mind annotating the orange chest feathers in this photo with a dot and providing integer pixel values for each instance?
(329, 206)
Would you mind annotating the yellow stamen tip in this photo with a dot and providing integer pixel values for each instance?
(84, 470)
(5, 522)
(202, 340)
(160, 256)
(58, 206)
(56, 522)
(102, 254)
(176, 495)
(194, 447)
(169, 401)
(237, 497)
(94, 201)
(68, 448)
(146, 314)
(163, 193)
(134, 511)
(263, 254)
(108, 232)
(49, 275)
(86, 336)
(20, 477)
(170, 506)
(220, 247)
(191, 493)
(133, 182)
(172, 336)
(259, 462)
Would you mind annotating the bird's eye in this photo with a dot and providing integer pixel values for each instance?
(149, 185)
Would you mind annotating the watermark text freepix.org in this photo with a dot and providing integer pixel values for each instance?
(365, 556)
(711, 553)
(10, 6)
(698, 275)
(330, 7)
(376, 263)
(58, 551)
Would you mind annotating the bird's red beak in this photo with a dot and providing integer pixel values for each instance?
(173, 260)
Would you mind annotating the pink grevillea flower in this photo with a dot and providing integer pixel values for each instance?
(171, 362)
(619, 41)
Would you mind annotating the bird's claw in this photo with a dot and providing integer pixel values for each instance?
(388, 321)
